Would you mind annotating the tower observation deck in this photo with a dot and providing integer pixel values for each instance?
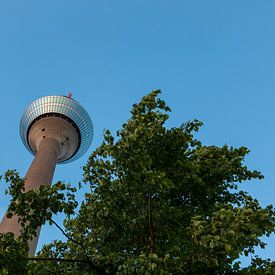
(55, 129)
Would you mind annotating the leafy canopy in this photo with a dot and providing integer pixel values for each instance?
(160, 202)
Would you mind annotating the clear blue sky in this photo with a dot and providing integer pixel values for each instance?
(213, 60)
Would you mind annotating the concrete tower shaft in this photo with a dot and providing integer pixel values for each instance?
(40, 173)
(56, 129)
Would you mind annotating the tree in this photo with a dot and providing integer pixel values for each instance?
(160, 202)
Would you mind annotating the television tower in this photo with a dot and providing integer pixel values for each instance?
(56, 129)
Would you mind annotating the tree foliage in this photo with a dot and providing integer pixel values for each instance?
(160, 202)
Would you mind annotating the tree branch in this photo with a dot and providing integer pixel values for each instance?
(58, 260)
(150, 225)
(67, 236)
(89, 260)
(96, 268)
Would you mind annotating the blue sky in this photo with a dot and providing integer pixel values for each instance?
(213, 60)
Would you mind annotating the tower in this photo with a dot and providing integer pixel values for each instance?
(55, 129)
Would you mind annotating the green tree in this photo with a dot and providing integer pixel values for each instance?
(160, 202)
